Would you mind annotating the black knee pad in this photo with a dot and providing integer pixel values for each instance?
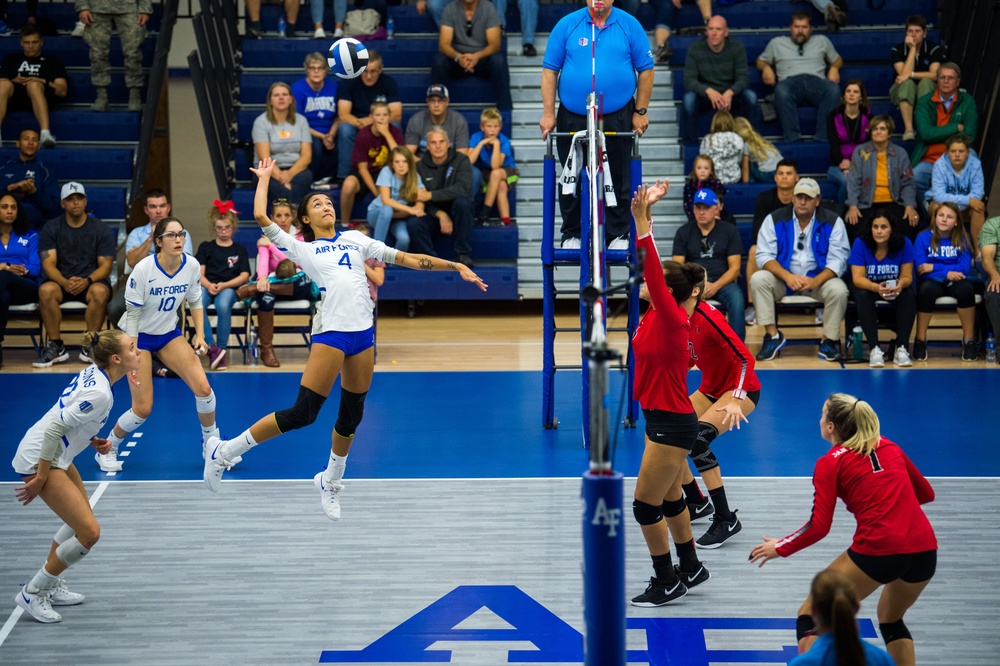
(352, 410)
(701, 452)
(646, 514)
(302, 413)
(804, 626)
(674, 508)
(894, 631)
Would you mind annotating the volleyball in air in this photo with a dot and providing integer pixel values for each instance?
(348, 58)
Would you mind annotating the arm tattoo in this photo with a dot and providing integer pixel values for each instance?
(452, 267)
(425, 264)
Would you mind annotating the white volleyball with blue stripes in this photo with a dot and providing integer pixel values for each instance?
(348, 58)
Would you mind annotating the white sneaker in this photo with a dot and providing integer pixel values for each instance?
(330, 494)
(877, 358)
(338, 33)
(571, 244)
(319, 34)
(37, 606)
(902, 358)
(108, 462)
(819, 316)
(46, 139)
(215, 465)
(620, 243)
(60, 595)
(78, 29)
(750, 316)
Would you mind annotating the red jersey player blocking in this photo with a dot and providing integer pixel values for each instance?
(894, 543)
(729, 391)
(661, 364)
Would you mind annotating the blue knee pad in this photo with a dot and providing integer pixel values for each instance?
(894, 631)
(352, 410)
(646, 514)
(302, 413)
(701, 453)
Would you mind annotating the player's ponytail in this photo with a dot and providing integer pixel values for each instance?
(856, 422)
(834, 605)
(681, 279)
(103, 346)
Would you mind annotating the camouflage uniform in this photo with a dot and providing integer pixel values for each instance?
(125, 16)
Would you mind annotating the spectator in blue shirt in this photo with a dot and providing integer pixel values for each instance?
(492, 154)
(316, 99)
(621, 48)
(958, 177)
(882, 269)
(943, 258)
(20, 266)
(33, 184)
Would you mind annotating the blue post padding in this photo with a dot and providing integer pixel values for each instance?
(603, 569)
(548, 291)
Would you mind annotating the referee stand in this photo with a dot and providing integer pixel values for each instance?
(554, 257)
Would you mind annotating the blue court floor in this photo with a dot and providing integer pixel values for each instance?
(489, 425)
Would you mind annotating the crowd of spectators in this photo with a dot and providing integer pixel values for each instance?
(425, 180)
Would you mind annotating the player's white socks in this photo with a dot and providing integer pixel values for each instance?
(42, 581)
(238, 446)
(209, 431)
(116, 441)
(335, 469)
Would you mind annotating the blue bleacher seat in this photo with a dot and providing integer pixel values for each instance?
(78, 125)
(813, 157)
(412, 87)
(106, 202)
(290, 53)
(406, 285)
(878, 78)
(74, 52)
(82, 91)
(83, 163)
(63, 14)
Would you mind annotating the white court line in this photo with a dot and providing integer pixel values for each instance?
(18, 611)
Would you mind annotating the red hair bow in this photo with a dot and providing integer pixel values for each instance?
(224, 207)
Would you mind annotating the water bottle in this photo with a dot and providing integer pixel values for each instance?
(857, 344)
(281, 26)
(390, 28)
(253, 350)
(991, 349)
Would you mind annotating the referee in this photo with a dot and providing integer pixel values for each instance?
(623, 82)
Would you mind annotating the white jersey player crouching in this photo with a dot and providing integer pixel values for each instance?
(44, 459)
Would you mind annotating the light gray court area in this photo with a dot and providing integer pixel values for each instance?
(258, 575)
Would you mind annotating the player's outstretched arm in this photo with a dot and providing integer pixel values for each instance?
(263, 173)
(423, 262)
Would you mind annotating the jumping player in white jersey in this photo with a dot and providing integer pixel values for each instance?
(343, 335)
(155, 290)
(44, 459)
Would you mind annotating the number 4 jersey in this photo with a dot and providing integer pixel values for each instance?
(159, 293)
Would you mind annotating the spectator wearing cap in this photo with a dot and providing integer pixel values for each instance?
(801, 249)
(805, 71)
(354, 102)
(32, 183)
(436, 113)
(469, 44)
(716, 247)
(77, 252)
(31, 81)
(716, 76)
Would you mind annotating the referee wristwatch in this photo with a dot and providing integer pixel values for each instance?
(641, 111)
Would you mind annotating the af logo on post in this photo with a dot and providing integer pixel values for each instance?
(611, 518)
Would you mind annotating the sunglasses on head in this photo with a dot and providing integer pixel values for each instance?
(281, 202)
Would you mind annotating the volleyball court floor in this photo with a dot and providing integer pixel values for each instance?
(460, 536)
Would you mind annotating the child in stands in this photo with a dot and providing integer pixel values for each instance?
(493, 155)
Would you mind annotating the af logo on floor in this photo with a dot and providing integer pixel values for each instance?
(669, 640)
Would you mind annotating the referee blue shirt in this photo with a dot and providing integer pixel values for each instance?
(621, 50)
